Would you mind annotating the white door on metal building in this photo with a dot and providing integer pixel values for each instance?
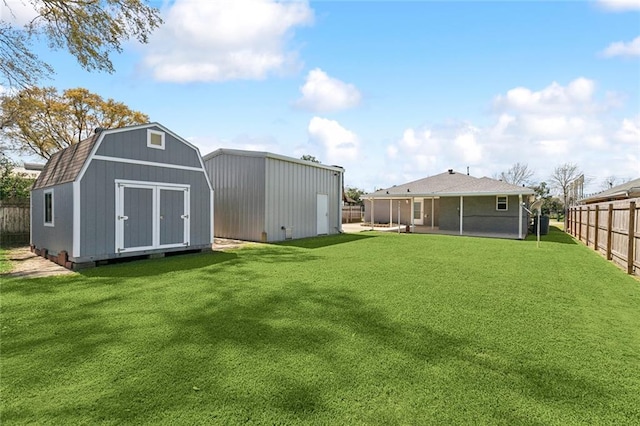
(323, 214)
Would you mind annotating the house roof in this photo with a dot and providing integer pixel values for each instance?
(450, 183)
(64, 165)
(262, 154)
(626, 190)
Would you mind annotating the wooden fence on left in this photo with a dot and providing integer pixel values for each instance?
(14, 222)
(611, 228)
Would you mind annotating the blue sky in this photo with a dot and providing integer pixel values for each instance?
(392, 91)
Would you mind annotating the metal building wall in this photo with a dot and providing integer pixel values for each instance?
(291, 198)
(239, 193)
(60, 236)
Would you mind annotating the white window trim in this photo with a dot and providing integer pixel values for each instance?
(155, 132)
(506, 203)
(44, 205)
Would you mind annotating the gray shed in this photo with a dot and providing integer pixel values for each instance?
(122, 192)
(268, 197)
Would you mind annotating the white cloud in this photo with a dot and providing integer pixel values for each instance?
(629, 131)
(620, 5)
(340, 145)
(553, 98)
(218, 40)
(322, 93)
(541, 128)
(17, 12)
(620, 48)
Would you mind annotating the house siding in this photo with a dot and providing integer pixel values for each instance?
(480, 215)
(98, 195)
(60, 236)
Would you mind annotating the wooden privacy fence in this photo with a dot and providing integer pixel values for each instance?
(351, 214)
(14, 222)
(611, 228)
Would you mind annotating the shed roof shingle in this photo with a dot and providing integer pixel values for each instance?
(64, 165)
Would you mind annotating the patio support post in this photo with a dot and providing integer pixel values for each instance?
(390, 213)
(413, 214)
(519, 216)
(373, 211)
(433, 201)
(461, 212)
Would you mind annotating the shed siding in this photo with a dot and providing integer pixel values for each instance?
(132, 144)
(480, 215)
(98, 194)
(291, 198)
(239, 194)
(60, 236)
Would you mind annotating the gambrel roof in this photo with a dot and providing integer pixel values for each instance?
(450, 183)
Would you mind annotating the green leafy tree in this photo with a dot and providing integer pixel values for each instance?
(13, 185)
(91, 30)
(311, 158)
(42, 121)
(550, 204)
(355, 194)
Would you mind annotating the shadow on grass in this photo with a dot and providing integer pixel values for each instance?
(555, 235)
(324, 241)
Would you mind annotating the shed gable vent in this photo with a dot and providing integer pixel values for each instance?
(155, 139)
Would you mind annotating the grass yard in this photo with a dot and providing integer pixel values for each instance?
(369, 328)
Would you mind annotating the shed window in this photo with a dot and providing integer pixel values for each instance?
(48, 208)
(502, 203)
(155, 139)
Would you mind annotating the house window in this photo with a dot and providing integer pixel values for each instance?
(502, 203)
(155, 139)
(48, 208)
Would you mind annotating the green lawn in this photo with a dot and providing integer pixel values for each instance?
(353, 329)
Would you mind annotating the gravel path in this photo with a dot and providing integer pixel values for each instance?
(25, 264)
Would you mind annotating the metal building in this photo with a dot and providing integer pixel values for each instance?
(267, 197)
(122, 192)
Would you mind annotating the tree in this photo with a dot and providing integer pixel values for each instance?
(311, 158)
(89, 30)
(518, 174)
(13, 185)
(41, 121)
(355, 194)
(549, 204)
(562, 177)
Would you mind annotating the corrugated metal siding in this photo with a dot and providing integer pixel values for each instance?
(60, 236)
(291, 198)
(133, 144)
(98, 194)
(239, 188)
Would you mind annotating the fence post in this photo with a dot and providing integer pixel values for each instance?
(580, 223)
(588, 224)
(609, 231)
(597, 228)
(632, 229)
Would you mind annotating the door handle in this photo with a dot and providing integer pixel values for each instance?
(123, 217)
(185, 216)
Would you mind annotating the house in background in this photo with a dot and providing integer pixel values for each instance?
(267, 197)
(454, 203)
(624, 191)
(122, 192)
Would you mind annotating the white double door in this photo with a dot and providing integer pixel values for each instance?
(151, 216)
